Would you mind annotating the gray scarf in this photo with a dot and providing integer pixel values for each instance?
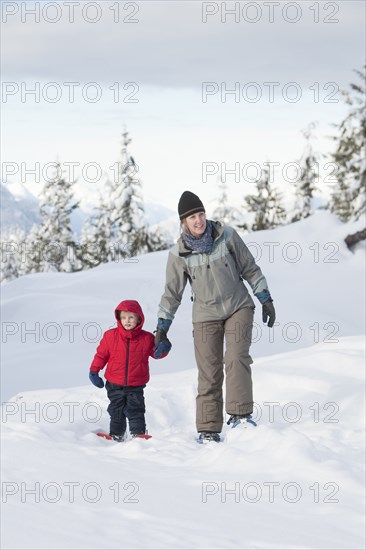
(200, 244)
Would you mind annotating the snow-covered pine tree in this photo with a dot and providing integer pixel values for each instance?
(8, 264)
(156, 241)
(12, 262)
(98, 232)
(349, 193)
(128, 209)
(222, 212)
(116, 228)
(50, 246)
(306, 185)
(265, 205)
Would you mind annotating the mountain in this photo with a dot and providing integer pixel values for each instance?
(19, 208)
(155, 213)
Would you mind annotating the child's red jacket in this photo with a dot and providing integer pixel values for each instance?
(126, 352)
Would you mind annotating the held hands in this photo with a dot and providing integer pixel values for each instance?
(96, 379)
(268, 313)
(162, 344)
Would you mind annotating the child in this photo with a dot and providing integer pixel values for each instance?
(126, 349)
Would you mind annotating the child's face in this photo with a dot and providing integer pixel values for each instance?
(129, 320)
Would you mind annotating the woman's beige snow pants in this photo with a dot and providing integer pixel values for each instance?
(208, 345)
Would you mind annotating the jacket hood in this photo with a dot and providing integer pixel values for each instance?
(134, 307)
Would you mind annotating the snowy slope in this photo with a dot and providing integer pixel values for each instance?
(51, 323)
(296, 481)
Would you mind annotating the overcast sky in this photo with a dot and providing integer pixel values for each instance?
(148, 62)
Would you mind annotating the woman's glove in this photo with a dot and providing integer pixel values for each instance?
(96, 379)
(268, 313)
(162, 344)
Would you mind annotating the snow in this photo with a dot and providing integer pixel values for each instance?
(19, 191)
(19, 208)
(295, 481)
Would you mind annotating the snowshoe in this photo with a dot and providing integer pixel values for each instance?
(111, 437)
(118, 438)
(245, 419)
(122, 438)
(206, 437)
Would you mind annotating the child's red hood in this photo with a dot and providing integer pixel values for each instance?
(134, 307)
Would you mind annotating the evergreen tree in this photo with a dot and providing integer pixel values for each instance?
(50, 246)
(348, 197)
(98, 234)
(222, 212)
(117, 229)
(265, 205)
(229, 215)
(156, 241)
(306, 186)
(12, 261)
(128, 212)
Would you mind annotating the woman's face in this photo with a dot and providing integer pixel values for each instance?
(196, 224)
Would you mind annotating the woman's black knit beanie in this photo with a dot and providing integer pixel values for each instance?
(189, 204)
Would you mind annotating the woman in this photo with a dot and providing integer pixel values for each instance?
(215, 260)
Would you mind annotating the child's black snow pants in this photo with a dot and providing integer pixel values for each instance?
(126, 402)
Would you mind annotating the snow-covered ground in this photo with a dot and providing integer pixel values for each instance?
(295, 481)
